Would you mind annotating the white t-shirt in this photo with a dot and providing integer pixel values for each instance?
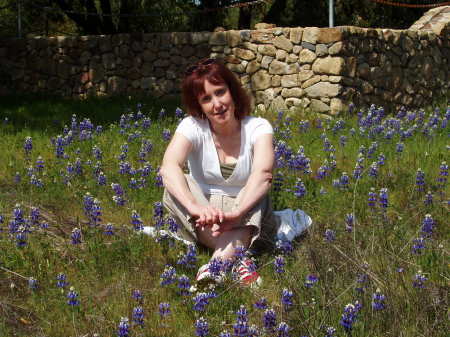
(203, 160)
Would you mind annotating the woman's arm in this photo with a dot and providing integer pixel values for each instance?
(258, 183)
(175, 182)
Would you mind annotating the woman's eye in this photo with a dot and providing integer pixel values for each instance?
(221, 92)
(205, 99)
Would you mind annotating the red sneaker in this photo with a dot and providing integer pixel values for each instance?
(245, 272)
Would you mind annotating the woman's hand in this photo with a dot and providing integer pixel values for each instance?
(206, 215)
(230, 220)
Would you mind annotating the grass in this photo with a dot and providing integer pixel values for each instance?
(104, 270)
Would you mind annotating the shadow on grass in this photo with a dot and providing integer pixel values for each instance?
(46, 112)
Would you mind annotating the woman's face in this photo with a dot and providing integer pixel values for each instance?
(217, 103)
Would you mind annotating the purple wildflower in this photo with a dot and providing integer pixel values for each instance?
(420, 180)
(378, 300)
(168, 276)
(136, 221)
(76, 236)
(137, 295)
(349, 316)
(299, 188)
(372, 198)
(72, 297)
(279, 264)
(164, 309)
(428, 201)
(184, 285)
(109, 229)
(28, 145)
(286, 299)
(61, 280)
(269, 319)
(383, 198)
(201, 327)
(311, 280)
(330, 235)
(138, 316)
(283, 330)
(427, 225)
(32, 283)
(261, 303)
(284, 246)
(124, 328)
(419, 279)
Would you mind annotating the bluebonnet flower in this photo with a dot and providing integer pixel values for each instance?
(21, 236)
(349, 222)
(164, 309)
(420, 180)
(168, 276)
(372, 149)
(330, 331)
(279, 264)
(146, 122)
(362, 151)
(124, 328)
(166, 134)
(399, 147)
(299, 188)
(189, 259)
(134, 183)
(36, 181)
(361, 280)
(443, 174)
(419, 280)
(137, 295)
(179, 113)
(319, 124)
(158, 179)
(28, 145)
(357, 172)
(78, 168)
(344, 180)
(269, 320)
(277, 181)
(96, 169)
(428, 201)
(418, 245)
(34, 215)
(138, 315)
(373, 170)
(378, 300)
(72, 297)
(97, 152)
(284, 246)
(109, 229)
(342, 140)
(225, 334)
(17, 178)
(381, 159)
(330, 235)
(283, 330)
(383, 198)
(158, 209)
(372, 198)
(32, 283)
(215, 267)
(322, 171)
(427, 225)
(136, 221)
(172, 224)
(99, 129)
(201, 327)
(101, 179)
(61, 280)
(184, 284)
(311, 280)
(286, 299)
(201, 300)
(261, 303)
(122, 156)
(124, 167)
(327, 146)
(75, 236)
(39, 164)
(118, 200)
(30, 170)
(349, 316)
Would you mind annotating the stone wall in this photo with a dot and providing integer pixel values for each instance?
(322, 69)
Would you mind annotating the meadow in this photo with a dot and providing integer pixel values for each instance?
(79, 180)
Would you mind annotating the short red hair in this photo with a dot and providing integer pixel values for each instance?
(217, 73)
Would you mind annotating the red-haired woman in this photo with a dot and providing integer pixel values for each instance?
(223, 202)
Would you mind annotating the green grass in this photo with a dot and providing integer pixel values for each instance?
(105, 270)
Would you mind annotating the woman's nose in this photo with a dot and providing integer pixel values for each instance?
(217, 104)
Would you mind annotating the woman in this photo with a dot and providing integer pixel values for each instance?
(223, 202)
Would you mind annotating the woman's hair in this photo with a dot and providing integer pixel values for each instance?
(217, 73)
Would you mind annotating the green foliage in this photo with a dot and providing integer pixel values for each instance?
(104, 270)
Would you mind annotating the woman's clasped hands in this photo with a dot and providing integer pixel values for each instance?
(209, 216)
